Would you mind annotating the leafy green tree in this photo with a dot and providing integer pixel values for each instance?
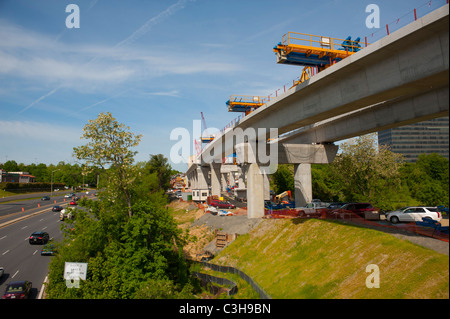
(159, 165)
(283, 179)
(11, 166)
(110, 146)
(366, 172)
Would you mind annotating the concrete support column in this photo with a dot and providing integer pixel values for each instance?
(202, 178)
(223, 181)
(303, 184)
(231, 179)
(241, 177)
(266, 187)
(215, 179)
(255, 192)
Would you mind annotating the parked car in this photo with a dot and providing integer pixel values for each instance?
(57, 208)
(336, 205)
(39, 237)
(414, 214)
(18, 290)
(45, 198)
(356, 208)
(221, 204)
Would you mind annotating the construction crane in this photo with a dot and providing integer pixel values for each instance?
(315, 53)
(245, 103)
(205, 139)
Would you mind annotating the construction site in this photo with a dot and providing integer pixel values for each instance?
(231, 196)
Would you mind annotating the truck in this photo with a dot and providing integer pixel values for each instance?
(66, 213)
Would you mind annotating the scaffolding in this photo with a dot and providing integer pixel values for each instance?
(245, 103)
(315, 51)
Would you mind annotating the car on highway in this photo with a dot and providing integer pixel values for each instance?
(222, 204)
(413, 214)
(2, 271)
(39, 237)
(48, 250)
(57, 208)
(18, 290)
(73, 203)
(69, 195)
(45, 198)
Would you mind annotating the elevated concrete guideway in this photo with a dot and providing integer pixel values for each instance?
(401, 79)
(407, 63)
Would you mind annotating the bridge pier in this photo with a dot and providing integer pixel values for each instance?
(255, 192)
(302, 184)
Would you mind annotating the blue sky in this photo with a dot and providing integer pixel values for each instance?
(155, 65)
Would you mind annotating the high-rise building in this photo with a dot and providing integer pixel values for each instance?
(419, 138)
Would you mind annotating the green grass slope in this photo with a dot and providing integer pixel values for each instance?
(294, 258)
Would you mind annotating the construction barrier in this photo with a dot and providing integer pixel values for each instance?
(430, 229)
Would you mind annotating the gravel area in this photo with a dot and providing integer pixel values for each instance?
(229, 224)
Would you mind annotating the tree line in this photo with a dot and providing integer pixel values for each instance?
(366, 172)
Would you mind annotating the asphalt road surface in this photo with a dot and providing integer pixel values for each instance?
(20, 259)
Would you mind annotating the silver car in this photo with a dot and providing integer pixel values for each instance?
(413, 214)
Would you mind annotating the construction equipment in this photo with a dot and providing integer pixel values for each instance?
(245, 103)
(313, 50)
(315, 53)
(280, 197)
(207, 138)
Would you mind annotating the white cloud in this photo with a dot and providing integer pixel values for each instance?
(11, 131)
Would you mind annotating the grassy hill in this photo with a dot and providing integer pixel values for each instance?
(295, 258)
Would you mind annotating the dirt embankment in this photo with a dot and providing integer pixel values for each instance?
(202, 226)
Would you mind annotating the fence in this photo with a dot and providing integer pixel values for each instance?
(232, 270)
(433, 229)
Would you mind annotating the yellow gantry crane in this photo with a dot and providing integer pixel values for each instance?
(245, 103)
(315, 53)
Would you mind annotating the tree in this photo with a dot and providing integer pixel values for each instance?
(11, 166)
(110, 146)
(283, 179)
(366, 172)
(160, 165)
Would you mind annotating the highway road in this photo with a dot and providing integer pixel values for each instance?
(20, 260)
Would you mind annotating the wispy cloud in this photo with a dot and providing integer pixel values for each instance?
(146, 27)
(38, 100)
(173, 93)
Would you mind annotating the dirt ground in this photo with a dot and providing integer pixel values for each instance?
(202, 225)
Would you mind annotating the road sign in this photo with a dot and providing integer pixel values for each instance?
(75, 270)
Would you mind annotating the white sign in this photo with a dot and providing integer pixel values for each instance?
(75, 271)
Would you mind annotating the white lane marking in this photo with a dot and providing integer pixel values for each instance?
(6, 252)
(35, 252)
(24, 227)
(42, 288)
(15, 274)
(3, 237)
(44, 228)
